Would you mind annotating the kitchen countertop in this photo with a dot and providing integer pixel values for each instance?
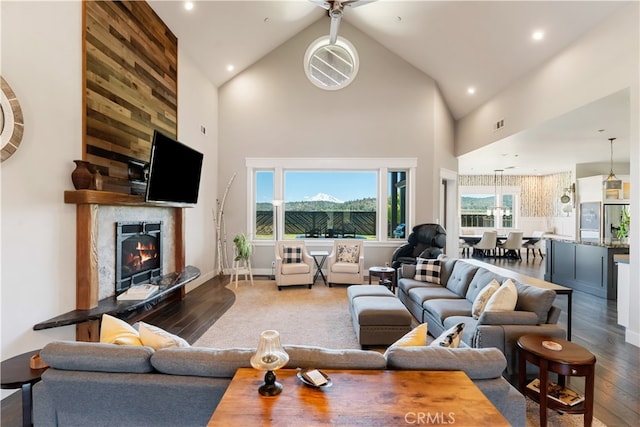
(601, 243)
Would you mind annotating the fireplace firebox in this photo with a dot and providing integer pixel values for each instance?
(138, 253)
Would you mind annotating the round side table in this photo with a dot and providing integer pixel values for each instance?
(572, 360)
(385, 274)
(16, 373)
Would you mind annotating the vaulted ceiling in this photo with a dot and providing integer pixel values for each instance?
(486, 45)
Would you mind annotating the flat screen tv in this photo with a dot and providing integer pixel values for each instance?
(174, 172)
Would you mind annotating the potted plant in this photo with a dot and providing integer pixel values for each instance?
(243, 247)
(623, 230)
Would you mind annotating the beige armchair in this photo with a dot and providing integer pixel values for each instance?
(294, 266)
(345, 264)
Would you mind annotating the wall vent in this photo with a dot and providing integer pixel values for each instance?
(498, 124)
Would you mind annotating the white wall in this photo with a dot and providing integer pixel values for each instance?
(41, 60)
(198, 107)
(602, 62)
(272, 110)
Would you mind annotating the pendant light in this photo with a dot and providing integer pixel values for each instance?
(612, 182)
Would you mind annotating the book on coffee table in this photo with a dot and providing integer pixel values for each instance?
(560, 394)
(138, 292)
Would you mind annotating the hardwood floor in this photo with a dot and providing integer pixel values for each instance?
(617, 393)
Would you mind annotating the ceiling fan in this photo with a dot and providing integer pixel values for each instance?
(336, 9)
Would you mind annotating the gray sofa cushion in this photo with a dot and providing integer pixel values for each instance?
(303, 356)
(478, 364)
(202, 362)
(99, 357)
(443, 308)
(421, 294)
(405, 285)
(480, 280)
(537, 300)
(460, 278)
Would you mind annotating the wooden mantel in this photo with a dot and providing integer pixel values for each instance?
(87, 281)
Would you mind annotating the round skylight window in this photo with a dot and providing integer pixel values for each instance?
(331, 66)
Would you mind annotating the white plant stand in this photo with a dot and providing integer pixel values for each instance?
(241, 267)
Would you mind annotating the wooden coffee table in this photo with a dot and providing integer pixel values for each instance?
(357, 397)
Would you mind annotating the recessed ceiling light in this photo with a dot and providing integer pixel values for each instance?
(188, 5)
(471, 90)
(537, 35)
(230, 68)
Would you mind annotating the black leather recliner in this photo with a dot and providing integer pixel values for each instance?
(425, 241)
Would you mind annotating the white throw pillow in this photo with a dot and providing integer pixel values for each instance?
(504, 299)
(483, 297)
(157, 338)
(449, 338)
(116, 331)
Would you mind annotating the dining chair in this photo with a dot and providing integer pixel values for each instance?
(487, 244)
(535, 243)
(512, 245)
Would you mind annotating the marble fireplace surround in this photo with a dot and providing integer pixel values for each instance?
(96, 215)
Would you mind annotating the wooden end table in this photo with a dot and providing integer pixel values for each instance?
(357, 397)
(384, 273)
(572, 360)
(16, 373)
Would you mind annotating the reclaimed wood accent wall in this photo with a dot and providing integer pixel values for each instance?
(130, 75)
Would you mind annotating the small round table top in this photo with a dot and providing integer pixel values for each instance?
(15, 372)
(571, 353)
(381, 269)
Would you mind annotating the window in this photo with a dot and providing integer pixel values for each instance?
(478, 209)
(264, 204)
(397, 205)
(320, 204)
(331, 66)
(303, 198)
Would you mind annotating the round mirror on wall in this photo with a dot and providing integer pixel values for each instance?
(331, 66)
(11, 121)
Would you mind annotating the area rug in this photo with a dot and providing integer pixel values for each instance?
(555, 419)
(317, 316)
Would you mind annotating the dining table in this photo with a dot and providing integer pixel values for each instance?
(472, 239)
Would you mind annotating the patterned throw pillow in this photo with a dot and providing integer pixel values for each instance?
(482, 299)
(292, 254)
(428, 270)
(348, 253)
(449, 338)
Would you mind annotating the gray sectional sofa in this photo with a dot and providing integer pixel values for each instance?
(449, 303)
(109, 385)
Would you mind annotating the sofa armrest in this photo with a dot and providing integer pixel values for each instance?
(554, 315)
(504, 337)
(478, 364)
(508, 318)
